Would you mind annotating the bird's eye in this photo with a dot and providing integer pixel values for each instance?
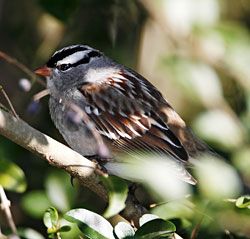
(63, 67)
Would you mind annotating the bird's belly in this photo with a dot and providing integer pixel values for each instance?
(77, 135)
(81, 141)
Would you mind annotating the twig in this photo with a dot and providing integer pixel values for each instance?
(9, 102)
(41, 94)
(22, 67)
(5, 207)
(196, 229)
(153, 205)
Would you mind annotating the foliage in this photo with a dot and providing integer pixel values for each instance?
(118, 191)
(12, 177)
(94, 226)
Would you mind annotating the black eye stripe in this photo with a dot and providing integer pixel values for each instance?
(63, 67)
(94, 54)
(64, 53)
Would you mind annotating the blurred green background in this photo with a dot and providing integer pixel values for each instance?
(197, 52)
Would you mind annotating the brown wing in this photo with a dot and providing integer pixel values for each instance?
(127, 110)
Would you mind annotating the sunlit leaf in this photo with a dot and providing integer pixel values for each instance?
(220, 128)
(155, 229)
(124, 230)
(147, 218)
(176, 236)
(117, 191)
(12, 177)
(59, 190)
(91, 224)
(50, 218)
(241, 159)
(198, 81)
(211, 44)
(243, 202)
(29, 233)
(182, 15)
(237, 55)
(68, 229)
(35, 203)
(175, 209)
(217, 179)
(161, 175)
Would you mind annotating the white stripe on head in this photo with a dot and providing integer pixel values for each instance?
(73, 58)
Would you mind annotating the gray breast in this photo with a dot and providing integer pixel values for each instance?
(77, 135)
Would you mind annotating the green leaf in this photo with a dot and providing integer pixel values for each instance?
(224, 182)
(117, 190)
(241, 160)
(59, 190)
(29, 233)
(156, 172)
(174, 209)
(68, 229)
(91, 224)
(187, 74)
(147, 218)
(12, 177)
(155, 229)
(50, 218)
(243, 202)
(35, 203)
(220, 128)
(65, 228)
(124, 230)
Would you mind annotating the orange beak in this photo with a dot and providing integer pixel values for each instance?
(43, 71)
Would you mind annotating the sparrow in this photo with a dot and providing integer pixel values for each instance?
(125, 109)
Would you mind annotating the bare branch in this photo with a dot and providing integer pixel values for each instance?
(8, 101)
(5, 207)
(61, 156)
(40, 95)
(21, 66)
(52, 151)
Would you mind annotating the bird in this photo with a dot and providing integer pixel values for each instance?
(127, 111)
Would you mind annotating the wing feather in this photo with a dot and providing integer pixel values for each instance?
(129, 114)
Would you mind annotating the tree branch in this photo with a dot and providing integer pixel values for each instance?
(52, 151)
(61, 156)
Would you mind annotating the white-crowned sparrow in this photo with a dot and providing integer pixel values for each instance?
(127, 110)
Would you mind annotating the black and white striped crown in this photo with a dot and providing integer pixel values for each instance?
(73, 55)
